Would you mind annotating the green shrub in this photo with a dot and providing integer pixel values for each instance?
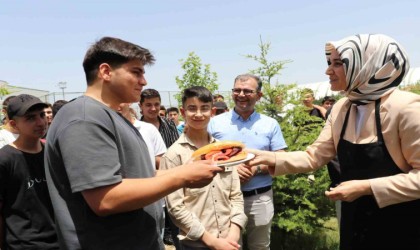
(301, 207)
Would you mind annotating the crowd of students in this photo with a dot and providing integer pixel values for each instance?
(93, 176)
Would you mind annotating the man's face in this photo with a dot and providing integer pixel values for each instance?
(220, 111)
(48, 115)
(196, 113)
(127, 81)
(32, 125)
(308, 100)
(174, 116)
(327, 104)
(150, 107)
(245, 103)
(162, 113)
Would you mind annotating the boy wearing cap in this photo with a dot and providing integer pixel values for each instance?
(26, 218)
(221, 107)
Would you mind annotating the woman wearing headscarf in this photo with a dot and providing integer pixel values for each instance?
(375, 131)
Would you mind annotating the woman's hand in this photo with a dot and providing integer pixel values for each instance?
(349, 190)
(262, 157)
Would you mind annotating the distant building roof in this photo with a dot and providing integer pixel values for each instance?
(15, 90)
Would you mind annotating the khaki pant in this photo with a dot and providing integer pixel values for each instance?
(260, 211)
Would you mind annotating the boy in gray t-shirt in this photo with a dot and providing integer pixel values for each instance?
(99, 174)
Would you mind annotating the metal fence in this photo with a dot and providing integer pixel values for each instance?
(167, 97)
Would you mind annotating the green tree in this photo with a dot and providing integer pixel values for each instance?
(195, 74)
(300, 205)
(271, 103)
(3, 92)
(3, 89)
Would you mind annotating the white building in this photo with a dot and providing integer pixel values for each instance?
(15, 90)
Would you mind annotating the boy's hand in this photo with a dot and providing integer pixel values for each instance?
(198, 174)
(244, 172)
(224, 244)
(234, 233)
(219, 243)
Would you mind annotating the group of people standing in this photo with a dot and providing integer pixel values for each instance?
(105, 174)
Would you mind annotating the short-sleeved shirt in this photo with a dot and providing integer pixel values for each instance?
(6, 137)
(152, 138)
(180, 128)
(258, 132)
(168, 131)
(316, 112)
(88, 146)
(27, 210)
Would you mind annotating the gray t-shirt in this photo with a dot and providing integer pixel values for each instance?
(90, 145)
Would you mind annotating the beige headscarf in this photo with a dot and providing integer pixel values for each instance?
(374, 65)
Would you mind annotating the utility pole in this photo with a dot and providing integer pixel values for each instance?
(62, 86)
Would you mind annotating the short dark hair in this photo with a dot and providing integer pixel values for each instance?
(215, 96)
(48, 105)
(328, 99)
(114, 52)
(58, 105)
(202, 93)
(149, 93)
(172, 109)
(245, 77)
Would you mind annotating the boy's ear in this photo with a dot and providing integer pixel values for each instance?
(104, 71)
(213, 111)
(182, 110)
(13, 124)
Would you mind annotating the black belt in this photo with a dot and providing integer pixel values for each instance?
(256, 191)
